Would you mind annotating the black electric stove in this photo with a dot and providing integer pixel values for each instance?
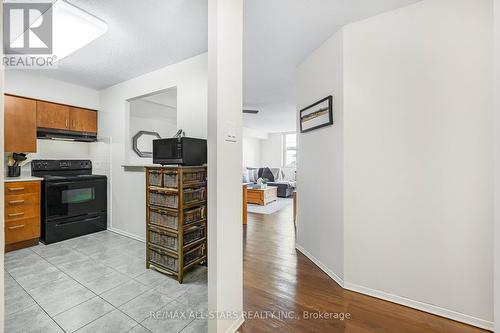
(74, 201)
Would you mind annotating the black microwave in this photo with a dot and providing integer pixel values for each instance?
(184, 151)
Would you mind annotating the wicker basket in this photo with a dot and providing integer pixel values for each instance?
(164, 199)
(168, 260)
(164, 218)
(193, 195)
(194, 234)
(163, 258)
(155, 178)
(195, 214)
(194, 176)
(170, 219)
(170, 179)
(163, 238)
(193, 255)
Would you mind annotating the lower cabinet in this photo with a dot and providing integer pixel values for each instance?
(22, 214)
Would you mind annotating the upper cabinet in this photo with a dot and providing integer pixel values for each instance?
(20, 124)
(82, 120)
(22, 117)
(51, 115)
(63, 117)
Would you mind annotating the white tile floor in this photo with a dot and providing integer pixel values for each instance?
(97, 283)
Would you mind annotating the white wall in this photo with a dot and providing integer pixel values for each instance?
(271, 151)
(40, 87)
(320, 226)
(418, 155)
(128, 195)
(252, 146)
(418, 163)
(147, 116)
(497, 169)
(251, 152)
(225, 232)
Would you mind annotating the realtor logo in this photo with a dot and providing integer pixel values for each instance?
(27, 28)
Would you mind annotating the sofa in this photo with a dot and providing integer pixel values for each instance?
(273, 176)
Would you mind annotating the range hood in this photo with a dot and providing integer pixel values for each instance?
(55, 134)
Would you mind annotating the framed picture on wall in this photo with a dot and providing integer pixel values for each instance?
(317, 115)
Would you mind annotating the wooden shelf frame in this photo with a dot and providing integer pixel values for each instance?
(182, 249)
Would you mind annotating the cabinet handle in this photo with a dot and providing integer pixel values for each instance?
(15, 189)
(13, 202)
(17, 226)
(15, 214)
(67, 123)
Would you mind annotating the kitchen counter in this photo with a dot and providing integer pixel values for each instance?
(22, 178)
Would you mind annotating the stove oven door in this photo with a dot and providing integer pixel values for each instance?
(64, 199)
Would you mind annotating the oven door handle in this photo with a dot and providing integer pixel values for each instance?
(79, 221)
(78, 182)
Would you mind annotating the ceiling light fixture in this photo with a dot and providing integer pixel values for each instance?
(73, 28)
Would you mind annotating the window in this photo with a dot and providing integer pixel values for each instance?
(290, 150)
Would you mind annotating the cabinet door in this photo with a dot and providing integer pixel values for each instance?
(82, 120)
(50, 115)
(20, 124)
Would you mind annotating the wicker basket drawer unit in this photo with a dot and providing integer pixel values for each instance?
(155, 178)
(192, 195)
(194, 234)
(170, 218)
(195, 176)
(176, 218)
(163, 238)
(170, 178)
(170, 261)
(170, 199)
(163, 198)
(170, 240)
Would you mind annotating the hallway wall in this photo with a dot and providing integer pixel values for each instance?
(417, 123)
(320, 158)
(496, 256)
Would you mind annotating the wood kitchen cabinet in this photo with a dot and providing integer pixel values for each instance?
(23, 116)
(51, 115)
(22, 214)
(20, 124)
(82, 120)
(63, 117)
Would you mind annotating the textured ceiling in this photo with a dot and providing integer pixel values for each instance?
(142, 36)
(278, 34)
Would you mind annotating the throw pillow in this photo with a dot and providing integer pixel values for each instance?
(267, 174)
(246, 176)
(252, 175)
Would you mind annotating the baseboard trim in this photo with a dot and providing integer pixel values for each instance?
(126, 234)
(318, 263)
(429, 308)
(235, 325)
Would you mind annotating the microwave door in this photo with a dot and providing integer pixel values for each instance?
(71, 198)
(167, 151)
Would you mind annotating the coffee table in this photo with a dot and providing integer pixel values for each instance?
(262, 196)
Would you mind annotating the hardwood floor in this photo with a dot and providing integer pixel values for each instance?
(279, 278)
